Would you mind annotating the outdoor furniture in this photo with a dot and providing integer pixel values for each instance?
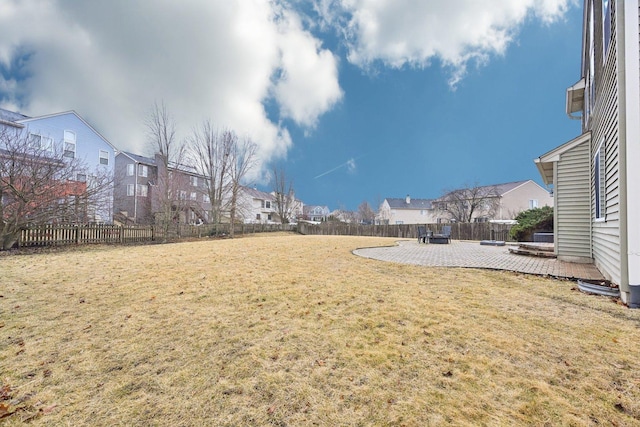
(443, 237)
(423, 234)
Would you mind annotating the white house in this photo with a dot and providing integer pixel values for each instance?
(406, 211)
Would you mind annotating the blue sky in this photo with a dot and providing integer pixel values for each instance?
(358, 100)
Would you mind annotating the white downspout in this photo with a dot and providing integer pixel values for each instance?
(135, 192)
(630, 220)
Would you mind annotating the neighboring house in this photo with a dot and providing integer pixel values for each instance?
(406, 211)
(256, 207)
(315, 213)
(497, 202)
(141, 184)
(79, 140)
(596, 176)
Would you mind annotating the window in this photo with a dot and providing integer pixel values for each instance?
(183, 195)
(606, 28)
(599, 182)
(81, 177)
(269, 217)
(267, 204)
(590, 91)
(193, 196)
(143, 171)
(194, 181)
(533, 203)
(258, 217)
(40, 142)
(142, 190)
(130, 190)
(206, 198)
(69, 144)
(130, 168)
(104, 157)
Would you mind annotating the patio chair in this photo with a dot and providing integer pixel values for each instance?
(422, 234)
(446, 232)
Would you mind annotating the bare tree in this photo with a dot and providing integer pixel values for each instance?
(168, 197)
(41, 186)
(283, 193)
(242, 158)
(469, 202)
(365, 213)
(211, 152)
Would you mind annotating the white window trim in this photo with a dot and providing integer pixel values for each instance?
(130, 169)
(130, 190)
(142, 190)
(70, 140)
(193, 196)
(44, 143)
(143, 171)
(103, 154)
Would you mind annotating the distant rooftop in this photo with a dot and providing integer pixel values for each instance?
(11, 116)
(397, 203)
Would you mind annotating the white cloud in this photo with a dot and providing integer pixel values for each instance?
(413, 33)
(218, 60)
(306, 86)
(351, 165)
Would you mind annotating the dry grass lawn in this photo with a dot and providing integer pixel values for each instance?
(291, 330)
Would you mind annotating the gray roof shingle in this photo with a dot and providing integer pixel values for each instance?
(11, 116)
(413, 203)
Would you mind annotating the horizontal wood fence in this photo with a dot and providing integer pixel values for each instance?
(60, 235)
(459, 231)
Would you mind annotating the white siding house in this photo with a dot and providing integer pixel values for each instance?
(406, 211)
(606, 99)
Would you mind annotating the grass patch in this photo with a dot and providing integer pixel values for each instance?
(294, 330)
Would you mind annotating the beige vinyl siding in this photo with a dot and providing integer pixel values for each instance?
(573, 209)
(604, 127)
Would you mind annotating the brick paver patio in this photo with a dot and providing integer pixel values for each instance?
(474, 255)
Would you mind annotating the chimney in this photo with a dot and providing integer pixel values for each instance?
(408, 199)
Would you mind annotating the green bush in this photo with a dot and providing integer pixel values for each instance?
(532, 221)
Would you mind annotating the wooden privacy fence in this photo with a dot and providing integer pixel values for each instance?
(459, 231)
(60, 235)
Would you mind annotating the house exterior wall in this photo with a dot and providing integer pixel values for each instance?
(573, 207)
(520, 199)
(88, 146)
(256, 207)
(137, 206)
(602, 118)
(189, 205)
(413, 216)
